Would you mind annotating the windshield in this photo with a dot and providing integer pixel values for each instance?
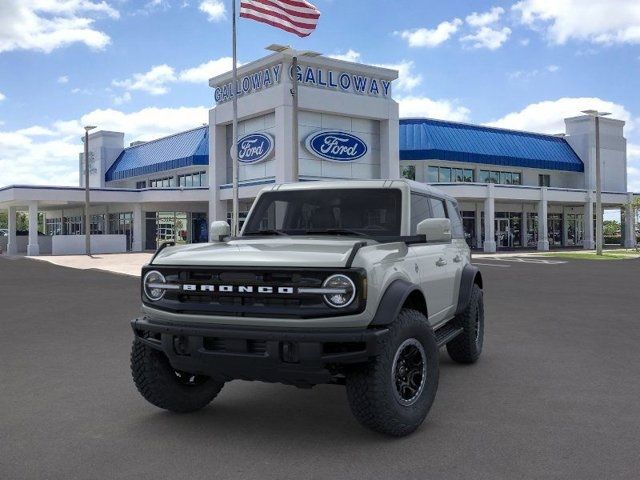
(368, 212)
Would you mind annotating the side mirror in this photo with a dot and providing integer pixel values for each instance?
(435, 229)
(219, 230)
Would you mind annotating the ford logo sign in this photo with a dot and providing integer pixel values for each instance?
(336, 146)
(255, 147)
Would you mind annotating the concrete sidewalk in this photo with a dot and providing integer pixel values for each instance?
(123, 263)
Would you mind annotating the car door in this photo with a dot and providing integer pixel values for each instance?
(431, 264)
(448, 262)
(460, 249)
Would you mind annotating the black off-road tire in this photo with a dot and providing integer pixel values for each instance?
(372, 388)
(467, 347)
(161, 385)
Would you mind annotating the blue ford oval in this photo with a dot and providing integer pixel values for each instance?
(255, 147)
(336, 146)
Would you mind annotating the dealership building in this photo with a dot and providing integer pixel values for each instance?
(515, 189)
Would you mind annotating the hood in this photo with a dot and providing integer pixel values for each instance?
(263, 252)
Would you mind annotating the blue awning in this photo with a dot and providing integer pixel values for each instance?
(183, 149)
(428, 139)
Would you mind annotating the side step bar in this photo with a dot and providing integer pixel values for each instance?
(446, 333)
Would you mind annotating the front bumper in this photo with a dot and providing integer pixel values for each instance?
(302, 358)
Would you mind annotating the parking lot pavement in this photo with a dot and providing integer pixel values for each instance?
(555, 395)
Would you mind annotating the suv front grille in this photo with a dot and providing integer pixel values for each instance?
(267, 293)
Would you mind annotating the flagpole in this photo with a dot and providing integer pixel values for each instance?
(234, 134)
(294, 126)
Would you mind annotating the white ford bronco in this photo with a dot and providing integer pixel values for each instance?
(355, 283)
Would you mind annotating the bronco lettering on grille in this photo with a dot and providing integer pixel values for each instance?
(237, 289)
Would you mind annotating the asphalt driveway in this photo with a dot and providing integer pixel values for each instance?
(555, 395)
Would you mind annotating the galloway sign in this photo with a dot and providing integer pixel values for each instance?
(262, 79)
(255, 147)
(342, 81)
(311, 76)
(336, 146)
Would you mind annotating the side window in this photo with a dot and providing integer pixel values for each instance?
(419, 210)
(457, 230)
(437, 208)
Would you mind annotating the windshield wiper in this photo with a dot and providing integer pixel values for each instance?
(337, 231)
(266, 232)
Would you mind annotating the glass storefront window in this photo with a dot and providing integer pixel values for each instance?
(122, 224)
(409, 172)
(532, 230)
(469, 226)
(445, 175)
(554, 229)
(432, 175)
(484, 176)
(179, 227)
(505, 178)
(516, 179)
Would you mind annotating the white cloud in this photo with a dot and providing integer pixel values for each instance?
(548, 116)
(525, 42)
(487, 37)
(158, 79)
(526, 75)
(484, 19)
(2, 96)
(203, 72)
(595, 21)
(214, 9)
(49, 155)
(407, 78)
(122, 99)
(349, 56)
(45, 25)
(63, 79)
(154, 81)
(415, 106)
(423, 37)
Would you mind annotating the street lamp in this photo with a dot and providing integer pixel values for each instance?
(294, 54)
(87, 218)
(596, 114)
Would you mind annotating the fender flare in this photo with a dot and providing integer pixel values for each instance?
(470, 276)
(392, 301)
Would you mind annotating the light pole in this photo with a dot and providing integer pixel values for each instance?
(87, 218)
(294, 54)
(596, 114)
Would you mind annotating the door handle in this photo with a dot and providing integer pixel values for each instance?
(441, 262)
(457, 259)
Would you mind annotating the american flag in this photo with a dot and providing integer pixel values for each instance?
(294, 16)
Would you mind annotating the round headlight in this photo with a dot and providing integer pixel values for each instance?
(150, 284)
(345, 291)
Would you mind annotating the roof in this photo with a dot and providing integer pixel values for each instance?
(427, 139)
(183, 149)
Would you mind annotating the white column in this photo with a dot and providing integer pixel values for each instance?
(543, 237)
(33, 248)
(489, 221)
(284, 142)
(138, 222)
(478, 225)
(218, 163)
(12, 246)
(389, 144)
(629, 224)
(589, 242)
(565, 227)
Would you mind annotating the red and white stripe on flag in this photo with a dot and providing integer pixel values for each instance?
(294, 16)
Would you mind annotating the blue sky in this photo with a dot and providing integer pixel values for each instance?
(142, 66)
